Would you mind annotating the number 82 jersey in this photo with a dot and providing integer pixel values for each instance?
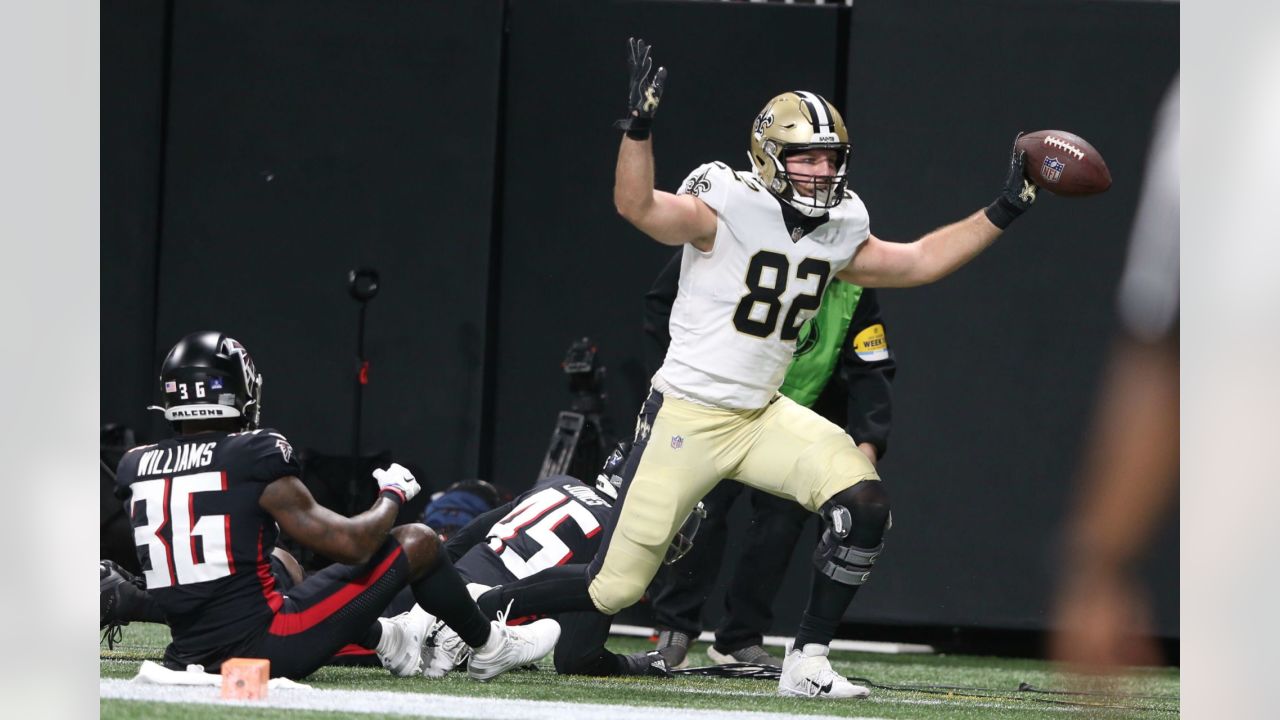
(739, 307)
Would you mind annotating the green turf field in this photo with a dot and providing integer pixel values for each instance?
(980, 688)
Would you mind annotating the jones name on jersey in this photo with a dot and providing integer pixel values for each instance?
(740, 306)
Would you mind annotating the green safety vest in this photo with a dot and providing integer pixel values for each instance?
(818, 346)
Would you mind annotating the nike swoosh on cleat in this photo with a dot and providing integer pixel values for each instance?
(820, 689)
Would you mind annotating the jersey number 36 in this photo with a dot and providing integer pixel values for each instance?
(168, 502)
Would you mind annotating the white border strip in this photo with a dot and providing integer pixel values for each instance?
(886, 648)
(416, 704)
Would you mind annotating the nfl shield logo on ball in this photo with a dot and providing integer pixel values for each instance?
(677, 442)
(1052, 169)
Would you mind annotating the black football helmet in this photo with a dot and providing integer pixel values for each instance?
(207, 376)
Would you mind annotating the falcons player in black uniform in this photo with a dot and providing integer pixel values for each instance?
(555, 523)
(207, 505)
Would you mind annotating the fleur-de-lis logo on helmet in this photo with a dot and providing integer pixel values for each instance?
(792, 122)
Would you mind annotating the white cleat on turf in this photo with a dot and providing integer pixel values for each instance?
(444, 651)
(400, 648)
(808, 673)
(512, 647)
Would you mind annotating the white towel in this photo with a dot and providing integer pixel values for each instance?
(152, 672)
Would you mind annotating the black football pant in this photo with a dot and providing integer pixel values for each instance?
(330, 609)
(679, 592)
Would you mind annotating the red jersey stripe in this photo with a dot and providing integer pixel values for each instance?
(293, 623)
(266, 579)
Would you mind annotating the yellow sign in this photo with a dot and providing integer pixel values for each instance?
(870, 344)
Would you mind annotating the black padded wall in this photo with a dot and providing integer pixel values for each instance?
(998, 364)
(570, 265)
(309, 138)
(132, 112)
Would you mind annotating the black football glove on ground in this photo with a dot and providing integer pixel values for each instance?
(1017, 194)
(645, 91)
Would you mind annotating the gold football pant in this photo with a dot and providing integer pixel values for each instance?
(683, 449)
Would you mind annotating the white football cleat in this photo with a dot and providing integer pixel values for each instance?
(475, 590)
(512, 647)
(444, 651)
(808, 673)
(400, 648)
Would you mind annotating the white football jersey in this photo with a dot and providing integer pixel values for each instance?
(740, 307)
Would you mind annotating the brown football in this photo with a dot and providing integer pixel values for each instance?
(1064, 163)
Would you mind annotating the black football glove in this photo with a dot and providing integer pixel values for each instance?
(646, 91)
(1017, 194)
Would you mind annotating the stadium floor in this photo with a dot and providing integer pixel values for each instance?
(903, 686)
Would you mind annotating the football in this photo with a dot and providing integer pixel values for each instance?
(1064, 163)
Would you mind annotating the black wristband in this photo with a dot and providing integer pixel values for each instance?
(637, 128)
(394, 495)
(1002, 213)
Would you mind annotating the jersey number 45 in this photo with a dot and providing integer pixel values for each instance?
(537, 519)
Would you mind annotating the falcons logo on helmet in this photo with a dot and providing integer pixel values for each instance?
(233, 348)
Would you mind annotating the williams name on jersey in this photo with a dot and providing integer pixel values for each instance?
(203, 541)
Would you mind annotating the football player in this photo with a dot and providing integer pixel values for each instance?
(556, 523)
(759, 248)
(843, 369)
(207, 505)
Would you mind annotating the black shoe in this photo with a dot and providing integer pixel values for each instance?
(119, 594)
(754, 654)
(649, 663)
(673, 645)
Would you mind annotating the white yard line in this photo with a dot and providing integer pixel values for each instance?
(418, 704)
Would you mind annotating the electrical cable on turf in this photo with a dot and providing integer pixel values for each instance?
(753, 671)
(1028, 687)
(1017, 695)
(767, 672)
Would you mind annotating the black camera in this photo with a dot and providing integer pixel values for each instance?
(580, 438)
(586, 378)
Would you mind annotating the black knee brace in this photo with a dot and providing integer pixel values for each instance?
(856, 520)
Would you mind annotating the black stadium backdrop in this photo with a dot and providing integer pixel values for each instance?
(253, 154)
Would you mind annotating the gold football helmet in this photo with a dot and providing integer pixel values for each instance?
(792, 122)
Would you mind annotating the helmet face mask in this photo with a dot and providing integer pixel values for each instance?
(209, 376)
(791, 123)
(682, 543)
(609, 484)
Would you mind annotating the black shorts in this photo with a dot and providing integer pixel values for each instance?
(330, 609)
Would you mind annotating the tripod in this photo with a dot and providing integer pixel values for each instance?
(580, 440)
